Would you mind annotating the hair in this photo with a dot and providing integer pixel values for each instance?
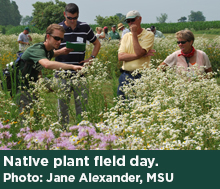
(185, 34)
(98, 29)
(105, 30)
(72, 8)
(52, 27)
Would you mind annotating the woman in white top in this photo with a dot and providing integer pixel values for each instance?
(187, 56)
(98, 34)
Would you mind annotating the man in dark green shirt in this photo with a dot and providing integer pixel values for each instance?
(113, 34)
(39, 56)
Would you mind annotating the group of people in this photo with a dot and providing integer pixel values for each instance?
(136, 49)
(113, 34)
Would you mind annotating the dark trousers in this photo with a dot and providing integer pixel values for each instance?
(124, 80)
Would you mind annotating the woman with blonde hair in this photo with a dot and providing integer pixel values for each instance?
(98, 34)
(187, 56)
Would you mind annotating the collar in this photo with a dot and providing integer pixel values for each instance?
(189, 55)
(67, 27)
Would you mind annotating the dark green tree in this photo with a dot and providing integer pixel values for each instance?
(196, 16)
(15, 17)
(46, 13)
(5, 4)
(9, 13)
(182, 19)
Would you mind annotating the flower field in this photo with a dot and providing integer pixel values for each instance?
(164, 110)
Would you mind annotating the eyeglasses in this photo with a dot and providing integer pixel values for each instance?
(72, 18)
(130, 20)
(57, 38)
(182, 42)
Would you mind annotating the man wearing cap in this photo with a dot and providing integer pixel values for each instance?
(135, 50)
(113, 34)
(23, 39)
(157, 33)
(122, 28)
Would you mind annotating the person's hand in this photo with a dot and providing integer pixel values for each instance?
(65, 50)
(77, 67)
(150, 52)
(87, 60)
(133, 28)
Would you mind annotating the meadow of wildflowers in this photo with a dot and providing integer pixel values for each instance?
(164, 110)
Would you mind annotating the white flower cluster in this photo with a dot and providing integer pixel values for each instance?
(166, 111)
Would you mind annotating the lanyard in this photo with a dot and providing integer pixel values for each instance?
(187, 61)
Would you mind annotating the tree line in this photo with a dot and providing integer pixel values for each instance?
(46, 13)
(193, 17)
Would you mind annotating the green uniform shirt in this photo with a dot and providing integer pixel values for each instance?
(114, 35)
(32, 55)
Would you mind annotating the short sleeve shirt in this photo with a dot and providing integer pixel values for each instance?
(81, 34)
(146, 40)
(114, 35)
(179, 61)
(24, 38)
(32, 56)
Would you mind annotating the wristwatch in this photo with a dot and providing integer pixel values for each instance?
(92, 56)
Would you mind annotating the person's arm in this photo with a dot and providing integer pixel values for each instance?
(26, 43)
(139, 51)
(57, 65)
(62, 51)
(162, 66)
(21, 40)
(102, 36)
(30, 38)
(95, 51)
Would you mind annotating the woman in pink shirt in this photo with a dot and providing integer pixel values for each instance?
(187, 57)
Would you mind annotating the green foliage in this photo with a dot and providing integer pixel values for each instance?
(107, 21)
(99, 20)
(9, 13)
(46, 13)
(3, 30)
(174, 27)
(18, 29)
(210, 31)
(182, 19)
(93, 26)
(26, 20)
(121, 17)
(163, 17)
(196, 16)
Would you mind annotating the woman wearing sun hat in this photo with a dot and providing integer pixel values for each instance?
(187, 56)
